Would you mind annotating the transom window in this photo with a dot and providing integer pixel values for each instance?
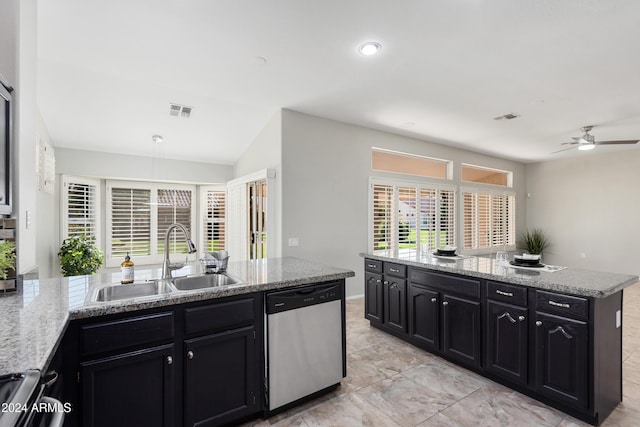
(483, 175)
(409, 164)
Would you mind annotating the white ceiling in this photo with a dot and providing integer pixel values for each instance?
(107, 71)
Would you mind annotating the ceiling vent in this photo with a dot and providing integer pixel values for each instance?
(509, 116)
(178, 110)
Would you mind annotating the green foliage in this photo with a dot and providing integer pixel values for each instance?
(78, 256)
(534, 241)
(403, 231)
(7, 256)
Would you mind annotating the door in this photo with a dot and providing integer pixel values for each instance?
(561, 359)
(133, 389)
(461, 329)
(507, 341)
(257, 219)
(424, 317)
(220, 380)
(373, 297)
(395, 303)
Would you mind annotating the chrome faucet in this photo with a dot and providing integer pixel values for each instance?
(167, 266)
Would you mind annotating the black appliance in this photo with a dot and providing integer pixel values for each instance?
(24, 404)
(6, 141)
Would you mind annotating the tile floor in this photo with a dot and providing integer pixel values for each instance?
(391, 383)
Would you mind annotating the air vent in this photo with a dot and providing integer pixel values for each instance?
(509, 116)
(178, 110)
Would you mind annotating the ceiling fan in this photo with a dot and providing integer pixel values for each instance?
(588, 141)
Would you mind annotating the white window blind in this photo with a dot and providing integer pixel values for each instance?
(80, 208)
(173, 206)
(214, 201)
(130, 222)
(489, 220)
(410, 216)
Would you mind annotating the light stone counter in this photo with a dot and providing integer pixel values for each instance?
(569, 281)
(34, 319)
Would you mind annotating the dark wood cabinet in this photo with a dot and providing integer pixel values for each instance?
(395, 303)
(507, 341)
(561, 353)
(130, 389)
(386, 296)
(373, 304)
(424, 317)
(461, 331)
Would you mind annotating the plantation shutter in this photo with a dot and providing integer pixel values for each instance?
(174, 206)
(428, 218)
(80, 208)
(447, 218)
(382, 216)
(407, 218)
(489, 220)
(130, 222)
(214, 220)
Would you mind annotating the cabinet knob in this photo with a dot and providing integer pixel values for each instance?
(521, 318)
(539, 323)
(169, 360)
(190, 354)
(386, 282)
(378, 281)
(434, 299)
(445, 303)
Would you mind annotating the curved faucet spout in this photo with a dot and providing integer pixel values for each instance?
(191, 248)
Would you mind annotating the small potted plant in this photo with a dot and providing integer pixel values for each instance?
(533, 241)
(79, 256)
(7, 260)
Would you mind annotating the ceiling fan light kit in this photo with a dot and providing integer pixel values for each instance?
(588, 141)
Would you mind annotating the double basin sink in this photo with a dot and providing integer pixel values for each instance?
(162, 287)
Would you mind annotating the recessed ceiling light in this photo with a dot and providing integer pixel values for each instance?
(157, 139)
(369, 48)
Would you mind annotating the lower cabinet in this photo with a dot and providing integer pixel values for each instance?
(424, 317)
(374, 294)
(130, 389)
(395, 304)
(507, 349)
(461, 329)
(562, 359)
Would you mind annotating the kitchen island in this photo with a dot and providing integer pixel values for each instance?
(99, 346)
(553, 334)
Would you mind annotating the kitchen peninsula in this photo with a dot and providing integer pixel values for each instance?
(555, 335)
(160, 351)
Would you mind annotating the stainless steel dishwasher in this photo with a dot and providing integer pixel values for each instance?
(305, 342)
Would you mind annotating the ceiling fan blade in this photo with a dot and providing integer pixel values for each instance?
(565, 149)
(570, 143)
(628, 141)
(578, 139)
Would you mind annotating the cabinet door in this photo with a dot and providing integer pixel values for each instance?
(461, 329)
(424, 317)
(133, 389)
(507, 341)
(373, 297)
(221, 381)
(395, 303)
(561, 359)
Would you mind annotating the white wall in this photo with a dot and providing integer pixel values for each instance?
(325, 169)
(47, 223)
(588, 205)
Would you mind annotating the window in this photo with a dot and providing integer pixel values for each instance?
(213, 218)
(80, 208)
(410, 216)
(480, 174)
(409, 164)
(488, 220)
(138, 215)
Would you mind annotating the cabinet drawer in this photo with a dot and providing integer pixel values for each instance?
(124, 333)
(373, 265)
(512, 294)
(219, 317)
(458, 285)
(397, 270)
(563, 305)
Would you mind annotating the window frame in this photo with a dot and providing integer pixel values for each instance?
(64, 206)
(508, 216)
(204, 218)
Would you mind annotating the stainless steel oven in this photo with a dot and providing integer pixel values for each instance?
(24, 401)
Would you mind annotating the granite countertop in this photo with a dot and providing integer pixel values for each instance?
(35, 318)
(568, 280)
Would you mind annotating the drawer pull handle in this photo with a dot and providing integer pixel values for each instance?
(169, 360)
(371, 265)
(559, 304)
(445, 303)
(521, 318)
(506, 294)
(434, 299)
(538, 323)
(190, 355)
(393, 270)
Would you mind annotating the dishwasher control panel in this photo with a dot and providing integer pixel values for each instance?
(303, 297)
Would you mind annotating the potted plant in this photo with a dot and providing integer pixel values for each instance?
(533, 241)
(79, 256)
(7, 259)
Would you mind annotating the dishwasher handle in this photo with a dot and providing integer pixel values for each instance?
(303, 297)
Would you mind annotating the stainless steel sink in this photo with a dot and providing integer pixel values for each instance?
(203, 281)
(131, 291)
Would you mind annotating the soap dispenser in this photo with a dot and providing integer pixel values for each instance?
(127, 270)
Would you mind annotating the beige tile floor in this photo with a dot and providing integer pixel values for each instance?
(391, 383)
